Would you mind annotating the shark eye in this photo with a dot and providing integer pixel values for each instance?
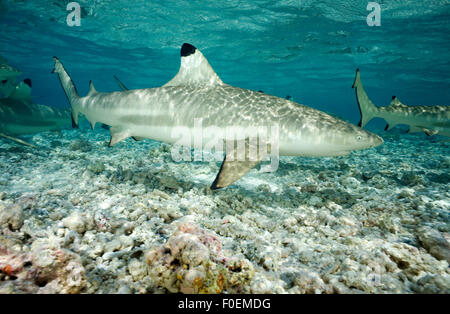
(359, 138)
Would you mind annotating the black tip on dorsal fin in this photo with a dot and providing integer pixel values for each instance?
(386, 127)
(187, 50)
(393, 97)
(28, 82)
(360, 123)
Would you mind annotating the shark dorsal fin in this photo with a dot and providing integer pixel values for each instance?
(396, 103)
(194, 69)
(22, 92)
(92, 89)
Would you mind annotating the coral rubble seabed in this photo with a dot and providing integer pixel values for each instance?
(78, 216)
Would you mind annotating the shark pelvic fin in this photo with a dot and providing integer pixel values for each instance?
(121, 85)
(194, 69)
(236, 164)
(92, 89)
(118, 134)
(430, 132)
(416, 129)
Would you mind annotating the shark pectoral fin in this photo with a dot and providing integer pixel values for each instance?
(231, 171)
(118, 134)
(235, 164)
(121, 85)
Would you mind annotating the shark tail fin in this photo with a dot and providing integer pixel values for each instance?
(367, 109)
(69, 89)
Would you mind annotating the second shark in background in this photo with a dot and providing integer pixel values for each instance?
(18, 114)
(431, 120)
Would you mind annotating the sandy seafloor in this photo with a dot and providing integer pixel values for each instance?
(79, 216)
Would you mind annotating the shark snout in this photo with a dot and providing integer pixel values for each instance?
(372, 140)
(377, 141)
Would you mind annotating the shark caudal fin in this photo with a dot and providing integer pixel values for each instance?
(367, 109)
(69, 89)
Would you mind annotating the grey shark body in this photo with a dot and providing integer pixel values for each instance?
(196, 92)
(428, 119)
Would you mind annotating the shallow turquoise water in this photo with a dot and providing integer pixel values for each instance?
(306, 49)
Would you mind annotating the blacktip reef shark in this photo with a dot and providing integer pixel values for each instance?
(197, 92)
(19, 115)
(428, 119)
